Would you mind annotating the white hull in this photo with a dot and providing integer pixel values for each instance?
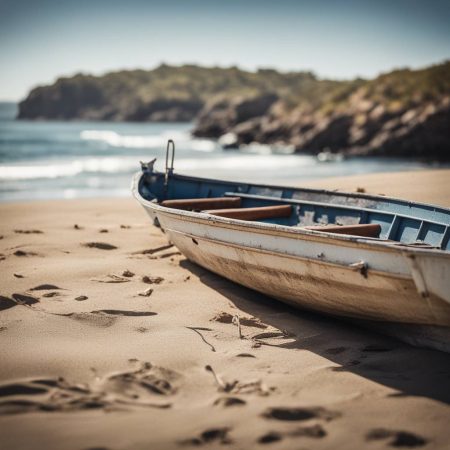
(345, 276)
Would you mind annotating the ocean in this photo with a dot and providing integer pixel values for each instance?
(48, 160)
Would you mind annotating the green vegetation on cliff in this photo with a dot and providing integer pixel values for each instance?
(404, 112)
(167, 92)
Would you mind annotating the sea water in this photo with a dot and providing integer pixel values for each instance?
(50, 159)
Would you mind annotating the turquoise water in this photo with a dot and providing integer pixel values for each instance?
(45, 160)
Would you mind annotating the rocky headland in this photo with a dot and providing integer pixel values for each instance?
(402, 113)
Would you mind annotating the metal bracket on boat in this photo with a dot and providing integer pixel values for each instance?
(148, 167)
(169, 169)
(361, 267)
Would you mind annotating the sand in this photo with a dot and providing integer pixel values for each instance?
(429, 186)
(111, 339)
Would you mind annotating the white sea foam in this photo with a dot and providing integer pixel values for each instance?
(114, 139)
(129, 164)
(245, 163)
(69, 169)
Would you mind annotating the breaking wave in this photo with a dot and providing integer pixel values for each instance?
(114, 139)
(69, 169)
(129, 164)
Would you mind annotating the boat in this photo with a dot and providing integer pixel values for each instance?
(378, 260)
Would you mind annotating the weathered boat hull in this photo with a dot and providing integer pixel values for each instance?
(343, 276)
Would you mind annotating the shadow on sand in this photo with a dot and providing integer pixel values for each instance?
(409, 370)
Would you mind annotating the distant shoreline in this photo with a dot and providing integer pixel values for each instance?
(404, 113)
(429, 186)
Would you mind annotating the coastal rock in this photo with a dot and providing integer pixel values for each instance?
(401, 113)
(219, 116)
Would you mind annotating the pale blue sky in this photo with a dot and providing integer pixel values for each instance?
(43, 39)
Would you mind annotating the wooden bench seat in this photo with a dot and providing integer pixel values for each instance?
(199, 204)
(363, 229)
(230, 207)
(260, 213)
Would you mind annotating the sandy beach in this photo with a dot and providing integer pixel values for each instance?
(111, 339)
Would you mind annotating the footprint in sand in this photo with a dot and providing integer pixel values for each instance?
(135, 388)
(112, 278)
(314, 431)
(210, 437)
(225, 317)
(245, 355)
(34, 395)
(6, 303)
(51, 294)
(143, 383)
(270, 437)
(100, 245)
(26, 300)
(396, 438)
(17, 299)
(127, 273)
(105, 317)
(152, 280)
(22, 253)
(226, 402)
(300, 414)
(21, 389)
(96, 320)
(45, 287)
(28, 231)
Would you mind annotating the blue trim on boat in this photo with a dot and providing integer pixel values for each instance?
(402, 221)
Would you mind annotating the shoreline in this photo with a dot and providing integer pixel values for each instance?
(112, 335)
(392, 184)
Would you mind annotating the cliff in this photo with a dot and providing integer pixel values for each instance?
(166, 93)
(401, 113)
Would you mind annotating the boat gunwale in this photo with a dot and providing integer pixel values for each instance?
(284, 230)
(361, 195)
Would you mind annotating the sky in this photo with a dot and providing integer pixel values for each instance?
(41, 40)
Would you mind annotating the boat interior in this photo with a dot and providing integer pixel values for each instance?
(363, 215)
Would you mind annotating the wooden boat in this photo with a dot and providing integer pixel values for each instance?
(382, 260)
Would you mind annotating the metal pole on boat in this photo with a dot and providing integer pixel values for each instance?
(169, 169)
